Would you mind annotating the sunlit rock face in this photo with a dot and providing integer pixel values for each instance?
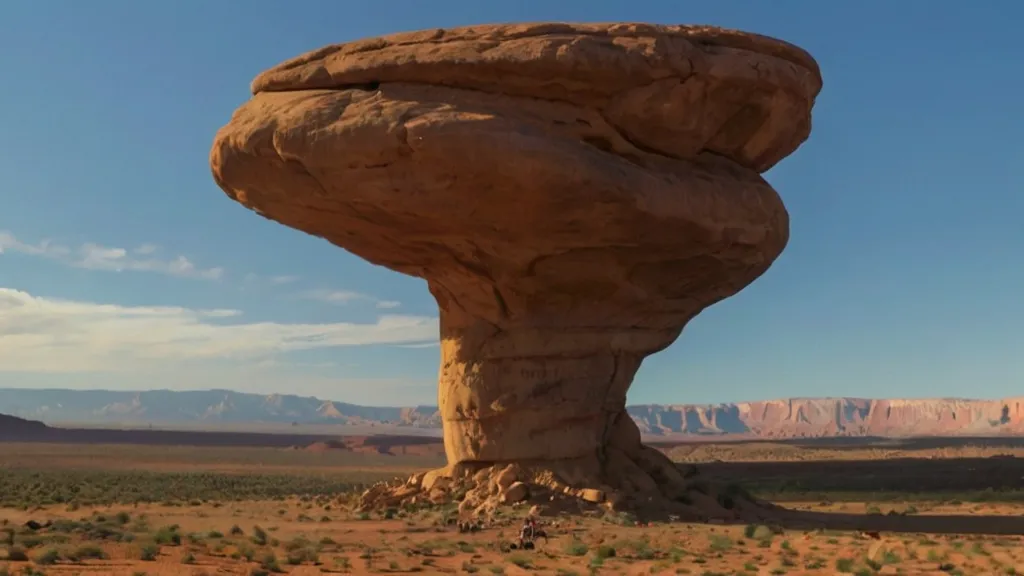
(573, 194)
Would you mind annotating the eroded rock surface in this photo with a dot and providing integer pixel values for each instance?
(573, 195)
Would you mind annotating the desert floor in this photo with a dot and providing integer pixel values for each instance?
(128, 509)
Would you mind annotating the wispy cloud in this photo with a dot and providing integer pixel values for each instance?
(39, 334)
(252, 278)
(342, 297)
(434, 344)
(96, 257)
(335, 296)
(8, 243)
(144, 258)
(149, 258)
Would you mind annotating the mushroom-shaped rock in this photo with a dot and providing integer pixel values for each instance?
(573, 194)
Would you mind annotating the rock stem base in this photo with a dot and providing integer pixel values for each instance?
(626, 477)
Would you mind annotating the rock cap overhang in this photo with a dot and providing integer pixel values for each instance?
(686, 89)
(278, 78)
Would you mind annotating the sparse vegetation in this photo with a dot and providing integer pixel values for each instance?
(149, 552)
(29, 488)
(270, 521)
(576, 548)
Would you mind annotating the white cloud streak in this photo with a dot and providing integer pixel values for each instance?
(421, 345)
(282, 280)
(144, 258)
(39, 334)
(342, 297)
(147, 258)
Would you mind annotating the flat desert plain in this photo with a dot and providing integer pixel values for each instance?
(857, 507)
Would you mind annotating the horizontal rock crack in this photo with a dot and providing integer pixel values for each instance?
(639, 146)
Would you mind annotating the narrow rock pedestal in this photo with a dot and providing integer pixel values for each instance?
(539, 416)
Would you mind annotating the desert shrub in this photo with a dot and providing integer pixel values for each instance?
(49, 557)
(89, 552)
(296, 544)
(605, 551)
(269, 562)
(167, 536)
(30, 541)
(521, 560)
(844, 565)
(576, 548)
(149, 552)
(247, 552)
(259, 535)
(720, 543)
(300, 555)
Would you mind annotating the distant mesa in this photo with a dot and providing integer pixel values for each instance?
(834, 417)
(221, 407)
(13, 428)
(770, 419)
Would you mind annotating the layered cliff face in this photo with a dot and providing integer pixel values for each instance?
(784, 418)
(56, 406)
(824, 417)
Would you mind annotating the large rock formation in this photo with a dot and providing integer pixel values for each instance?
(573, 196)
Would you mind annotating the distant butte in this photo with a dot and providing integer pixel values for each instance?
(573, 194)
(13, 429)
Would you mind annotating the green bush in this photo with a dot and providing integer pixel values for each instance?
(49, 557)
(149, 552)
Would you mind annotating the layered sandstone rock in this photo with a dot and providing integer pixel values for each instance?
(573, 195)
(824, 417)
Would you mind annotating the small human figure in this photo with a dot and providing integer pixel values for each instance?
(528, 533)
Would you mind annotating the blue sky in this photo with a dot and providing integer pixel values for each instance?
(123, 266)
